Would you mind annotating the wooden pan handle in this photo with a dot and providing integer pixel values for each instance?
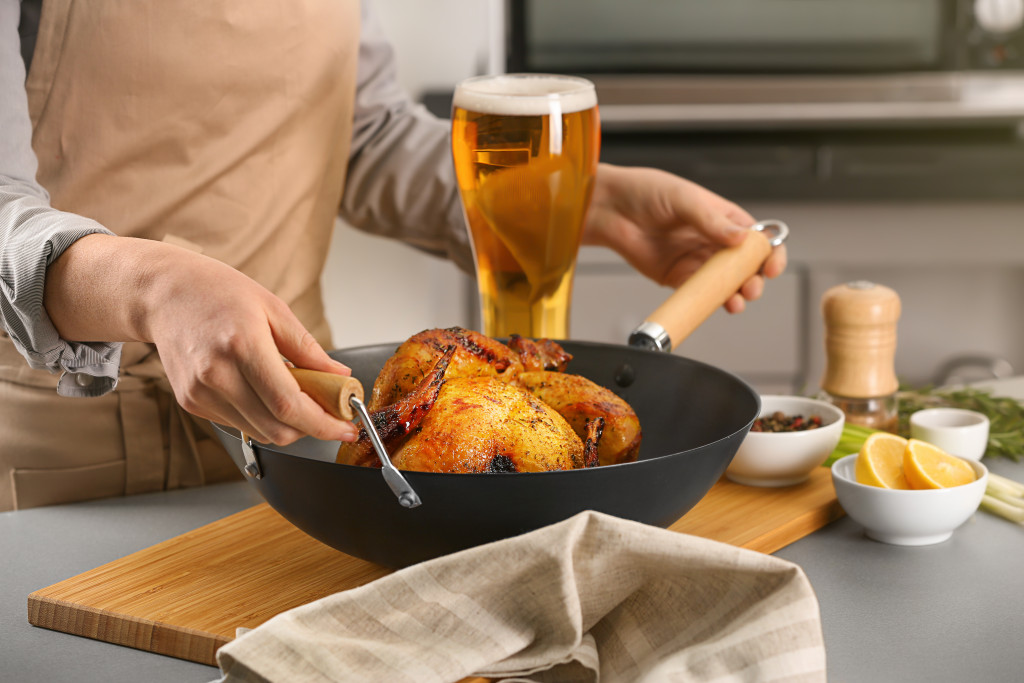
(711, 286)
(330, 391)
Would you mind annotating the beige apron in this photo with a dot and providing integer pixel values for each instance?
(223, 125)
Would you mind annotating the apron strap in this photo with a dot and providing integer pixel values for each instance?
(160, 448)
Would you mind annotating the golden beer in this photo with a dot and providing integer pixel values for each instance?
(525, 149)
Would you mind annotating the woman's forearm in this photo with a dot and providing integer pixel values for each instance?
(94, 289)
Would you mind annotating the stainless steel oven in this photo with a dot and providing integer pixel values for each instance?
(764, 36)
(832, 99)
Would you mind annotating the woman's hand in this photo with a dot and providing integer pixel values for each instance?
(221, 336)
(667, 227)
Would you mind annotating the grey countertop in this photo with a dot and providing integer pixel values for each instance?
(42, 546)
(947, 612)
(950, 612)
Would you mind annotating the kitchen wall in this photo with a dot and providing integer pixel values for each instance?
(958, 267)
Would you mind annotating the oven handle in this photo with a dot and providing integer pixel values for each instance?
(679, 117)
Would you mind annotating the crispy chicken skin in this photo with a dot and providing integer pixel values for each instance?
(475, 355)
(578, 400)
(480, 425)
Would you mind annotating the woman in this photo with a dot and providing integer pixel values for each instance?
(170, 181)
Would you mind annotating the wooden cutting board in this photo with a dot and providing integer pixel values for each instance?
(186, 596)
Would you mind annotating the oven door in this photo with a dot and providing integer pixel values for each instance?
(732, 36)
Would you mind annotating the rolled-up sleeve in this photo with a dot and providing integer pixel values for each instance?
(33, 235)
(401, 181)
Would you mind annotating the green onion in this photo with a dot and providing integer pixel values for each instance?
(1004, 497)
(850, 441)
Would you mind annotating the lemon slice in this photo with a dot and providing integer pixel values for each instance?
(880, 461)
(930, 467)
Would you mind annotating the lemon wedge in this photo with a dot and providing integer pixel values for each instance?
(880, 461)
(929, 467)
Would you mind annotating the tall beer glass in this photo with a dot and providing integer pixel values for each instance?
(525, 148)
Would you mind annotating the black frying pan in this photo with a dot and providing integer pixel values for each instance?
(693, 416)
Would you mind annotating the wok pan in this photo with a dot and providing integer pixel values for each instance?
(694, 417)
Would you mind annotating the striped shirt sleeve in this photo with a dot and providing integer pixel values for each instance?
(401, 180)
(32, 236)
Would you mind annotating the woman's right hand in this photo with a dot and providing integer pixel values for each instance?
(221, 335)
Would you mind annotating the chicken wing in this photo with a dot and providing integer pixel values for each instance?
(540, 354)
(396, 421)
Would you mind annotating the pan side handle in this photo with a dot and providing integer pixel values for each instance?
(707, 289)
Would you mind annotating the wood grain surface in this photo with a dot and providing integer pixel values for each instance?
(186, 596)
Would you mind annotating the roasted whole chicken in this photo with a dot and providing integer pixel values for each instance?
(454, 400)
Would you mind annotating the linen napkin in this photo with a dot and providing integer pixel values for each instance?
(593, 598)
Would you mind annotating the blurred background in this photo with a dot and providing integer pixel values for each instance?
(888, 134)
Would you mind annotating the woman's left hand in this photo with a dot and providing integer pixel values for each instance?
(667, 227)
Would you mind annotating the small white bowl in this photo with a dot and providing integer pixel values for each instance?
(963, 433)
(907, 517)
(787, 458)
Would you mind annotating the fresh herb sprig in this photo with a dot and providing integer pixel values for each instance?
(1006, 415)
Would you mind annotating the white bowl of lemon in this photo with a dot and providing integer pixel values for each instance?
(908, 492)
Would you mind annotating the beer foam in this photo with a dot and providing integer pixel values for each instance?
(524, 95)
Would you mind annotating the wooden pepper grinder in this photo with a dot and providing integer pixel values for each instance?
(860, 346)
